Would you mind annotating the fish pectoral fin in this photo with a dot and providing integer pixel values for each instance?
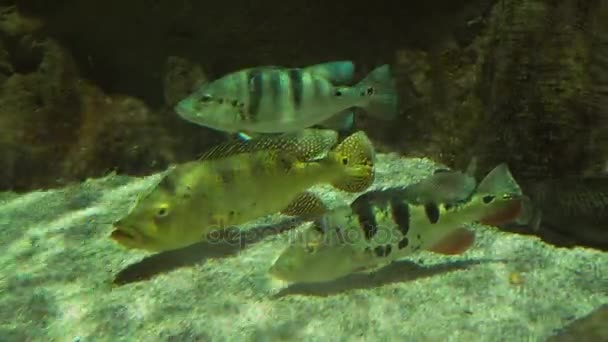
(341, 122)
(457, 242)
(305, 205)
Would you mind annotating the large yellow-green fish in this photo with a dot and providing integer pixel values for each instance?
(384, 225)
(239, 181)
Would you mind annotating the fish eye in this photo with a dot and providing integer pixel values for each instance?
(344, 161)
(337, 92)
(370, 91)
(206, 98)
(162, 211)
(487, 199)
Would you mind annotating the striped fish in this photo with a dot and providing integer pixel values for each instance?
(272, 99)
(384, 225)
(240, 181)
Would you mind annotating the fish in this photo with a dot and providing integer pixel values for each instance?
(239, 181)
(444, 186)
(572, 206)
(381, 226)
(275, 99)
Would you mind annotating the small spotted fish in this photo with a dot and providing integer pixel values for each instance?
(273, 99)
(240, 181)
(384, 225)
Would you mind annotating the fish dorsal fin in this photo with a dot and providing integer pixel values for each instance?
(499, 180)
(305, 145)
(338, 72)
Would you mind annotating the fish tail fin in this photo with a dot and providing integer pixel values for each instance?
(356, 155)
(379, 86)
(530, 215)
(502, 194)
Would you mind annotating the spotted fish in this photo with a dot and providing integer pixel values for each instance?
(240, 181)
(384, 225)
(273, 99)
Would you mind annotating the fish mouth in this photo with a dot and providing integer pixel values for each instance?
(120, 235)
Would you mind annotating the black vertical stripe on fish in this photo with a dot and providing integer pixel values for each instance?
(432, 212)
(297, 86)
(276, 88)
(387, 250)
(365, 214)
(380, 251)
(254, 81)
(401, 214)
(403, 243)
(317, 89)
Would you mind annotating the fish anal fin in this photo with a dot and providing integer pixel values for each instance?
(457, 242)
(305, 205)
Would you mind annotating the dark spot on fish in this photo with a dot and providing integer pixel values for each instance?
(370, 91)
(227, 175)
(387, 250)
(487, 199)
(362, 207)
(344, 161)
(440, 171)
(432, 212)
(368, 250)
(380, 251)
(297, 88)
(337, 92)
(276, 90)
(448, 206)
(403, 243)
(418, 237)
(168, 184)
(285, 161)
(220, 101)
(401, 214)
(231, 213)
(235, 103)
(254, 80)
(205, 98)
